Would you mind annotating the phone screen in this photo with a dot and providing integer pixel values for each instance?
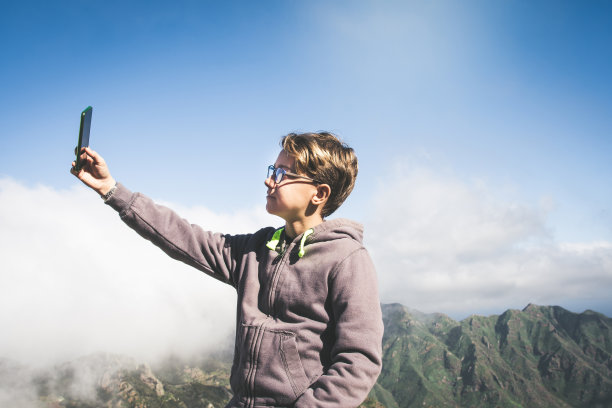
(83, 134)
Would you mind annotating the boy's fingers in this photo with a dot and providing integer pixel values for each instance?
(94, 155)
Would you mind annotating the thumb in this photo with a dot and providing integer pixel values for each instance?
(97, 159)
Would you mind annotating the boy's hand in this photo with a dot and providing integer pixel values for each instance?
(94, 172)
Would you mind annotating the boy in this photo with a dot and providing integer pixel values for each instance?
(309, 326)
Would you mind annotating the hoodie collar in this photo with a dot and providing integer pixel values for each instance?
(275, 244)
(333, 229)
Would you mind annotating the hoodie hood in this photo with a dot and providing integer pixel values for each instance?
(339, 228)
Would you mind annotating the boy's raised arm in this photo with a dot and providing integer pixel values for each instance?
(181, 240)
(212, 253)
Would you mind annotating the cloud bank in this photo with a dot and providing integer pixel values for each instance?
(443, 245)
(75, 280)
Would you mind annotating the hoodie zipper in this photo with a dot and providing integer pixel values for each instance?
(254, 349)
(280, 260)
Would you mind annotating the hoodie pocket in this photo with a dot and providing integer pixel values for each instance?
(272, 372)
(293, 364)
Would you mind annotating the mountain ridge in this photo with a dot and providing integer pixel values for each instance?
(540, 356)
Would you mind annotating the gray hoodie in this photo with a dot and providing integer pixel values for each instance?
(309, 326)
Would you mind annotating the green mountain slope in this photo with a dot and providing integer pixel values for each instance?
(539, 357)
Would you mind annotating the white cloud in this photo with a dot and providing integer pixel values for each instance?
(75, 280)
(443, 245)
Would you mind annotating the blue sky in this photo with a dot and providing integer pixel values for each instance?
(512, 91)
(483, 128)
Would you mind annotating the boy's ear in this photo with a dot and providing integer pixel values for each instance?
(323, 192)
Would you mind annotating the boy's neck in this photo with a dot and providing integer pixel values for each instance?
(297, 227)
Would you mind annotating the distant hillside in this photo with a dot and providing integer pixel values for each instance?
(111, 381)
(542, 356)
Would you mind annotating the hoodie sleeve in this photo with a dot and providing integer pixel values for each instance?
(357, 352)
(212, 253)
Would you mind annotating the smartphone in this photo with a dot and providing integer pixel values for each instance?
(83, 135)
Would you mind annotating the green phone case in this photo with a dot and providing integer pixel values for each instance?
(83, 134)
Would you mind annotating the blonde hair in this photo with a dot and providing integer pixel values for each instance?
(327, 160)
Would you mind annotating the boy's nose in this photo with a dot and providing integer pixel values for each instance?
(268, 182)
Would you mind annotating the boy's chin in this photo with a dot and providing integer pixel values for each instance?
(273, 211)
(270, 208)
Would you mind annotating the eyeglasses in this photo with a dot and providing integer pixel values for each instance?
(278, 173)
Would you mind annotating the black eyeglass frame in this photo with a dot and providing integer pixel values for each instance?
(279, 174)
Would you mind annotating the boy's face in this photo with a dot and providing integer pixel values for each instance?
(291, 198)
